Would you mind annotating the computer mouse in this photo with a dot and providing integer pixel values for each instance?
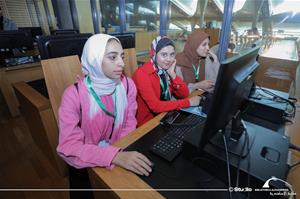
(152, 165)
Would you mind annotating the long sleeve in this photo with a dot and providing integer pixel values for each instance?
(130, 123)
(191, 86)
(144, 86)
(180, 89)
(72, 147)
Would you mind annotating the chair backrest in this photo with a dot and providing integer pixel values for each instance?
(59, 74)
(130, 61)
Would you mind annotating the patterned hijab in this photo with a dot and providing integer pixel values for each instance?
(189, 56)
(157, 44)
(91, 60)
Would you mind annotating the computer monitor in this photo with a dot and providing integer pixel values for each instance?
(64, 32)
(5, 51)
(61, 45)
(16, 39)
(35, 31)
(127, 39)
(233, 86)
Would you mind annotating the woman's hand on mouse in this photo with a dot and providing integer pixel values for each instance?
(133, 161)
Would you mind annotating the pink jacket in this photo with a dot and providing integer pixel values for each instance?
(78, 145)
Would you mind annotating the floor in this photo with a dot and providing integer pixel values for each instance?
(22, 164)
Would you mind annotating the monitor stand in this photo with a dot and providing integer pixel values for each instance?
(238, 147)
(267, 156)
(238, 140)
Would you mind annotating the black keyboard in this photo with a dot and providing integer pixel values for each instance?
(14, 61)
(170, 145)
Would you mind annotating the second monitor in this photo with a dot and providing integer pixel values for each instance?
(227, 137)
(62, 45)
(234, 82)
(127, 39)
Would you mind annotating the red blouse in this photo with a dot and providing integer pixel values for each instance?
(148, 98)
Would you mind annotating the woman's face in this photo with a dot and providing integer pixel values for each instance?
(165, 57)
(203, 48)
(112, 63)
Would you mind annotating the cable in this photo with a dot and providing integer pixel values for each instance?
(295, 164)
(228, 168)
(240, 156)
(293, 99)
(295, 147)
(249, 163)
(280, 99)
(239, 164)
(288, 121)
(248, 155)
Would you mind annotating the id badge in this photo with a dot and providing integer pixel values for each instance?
(103, 143)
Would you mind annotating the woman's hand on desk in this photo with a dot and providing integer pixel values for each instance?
(133, 161)
(195, 101)
(205, 85)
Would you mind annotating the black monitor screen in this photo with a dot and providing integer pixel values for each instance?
(19, 39)
(64, 32)
(233, 86)
(62, 45)
(127, 39)
(35, 31)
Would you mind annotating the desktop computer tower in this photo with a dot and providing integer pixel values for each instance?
(268, 156)
(263, 105)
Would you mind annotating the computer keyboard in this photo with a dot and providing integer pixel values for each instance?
(21, 60)
(170, 145)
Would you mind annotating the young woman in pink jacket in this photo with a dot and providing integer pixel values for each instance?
(98, 110)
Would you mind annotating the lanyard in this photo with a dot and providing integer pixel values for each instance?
(99, 102)
(166, 92)
(196, 72)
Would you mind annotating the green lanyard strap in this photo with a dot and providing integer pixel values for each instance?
(166, 92)
(99, 102)
(196, 71)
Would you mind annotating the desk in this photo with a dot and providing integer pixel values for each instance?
(8, 76)
(121, 178)
(45, 132)
(278, 66)
(36, 109)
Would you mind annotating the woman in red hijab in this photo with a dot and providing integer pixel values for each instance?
(157, 83)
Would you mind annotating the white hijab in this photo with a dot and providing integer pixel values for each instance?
(91, 60)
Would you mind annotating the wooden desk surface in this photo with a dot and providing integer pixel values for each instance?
(21, 66)
(119, 178)
(10, 75)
